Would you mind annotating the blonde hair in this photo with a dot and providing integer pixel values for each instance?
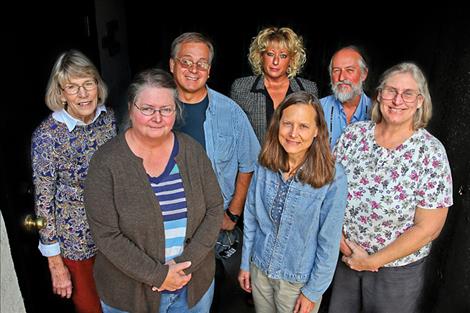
(287, 39)
(71, 64)
(423, 114)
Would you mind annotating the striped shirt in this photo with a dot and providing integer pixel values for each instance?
(169, 190)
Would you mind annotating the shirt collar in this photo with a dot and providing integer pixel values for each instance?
(258, 85)
(362, 109)
(71, 122)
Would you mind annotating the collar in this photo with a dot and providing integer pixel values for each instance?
(210, 106)
(258, 85)
(361, 109)
(71, 122)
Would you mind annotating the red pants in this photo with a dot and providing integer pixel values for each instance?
(84, 295)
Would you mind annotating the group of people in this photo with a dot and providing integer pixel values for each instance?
(342, 186)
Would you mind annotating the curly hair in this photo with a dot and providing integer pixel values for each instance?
(287, 39)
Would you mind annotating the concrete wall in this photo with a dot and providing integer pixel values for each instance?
(11, 300)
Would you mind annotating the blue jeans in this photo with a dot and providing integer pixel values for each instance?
(175, 303)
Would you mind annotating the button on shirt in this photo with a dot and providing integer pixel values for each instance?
(336, 118)
(280, 199)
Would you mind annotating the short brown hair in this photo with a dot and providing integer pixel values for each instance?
(318, 168)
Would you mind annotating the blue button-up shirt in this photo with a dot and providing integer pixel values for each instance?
(336, 118)
(304, 247)
(231, 143)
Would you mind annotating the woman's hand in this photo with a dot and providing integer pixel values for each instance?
(176, 278)
(303, 305)
(359, 260)
(343, 246)
(244, 280)
(60, 275)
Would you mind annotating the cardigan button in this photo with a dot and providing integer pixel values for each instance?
(188, 240)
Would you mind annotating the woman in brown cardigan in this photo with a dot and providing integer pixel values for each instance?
(154, 208)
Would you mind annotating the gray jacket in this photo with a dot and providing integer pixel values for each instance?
(251, 94)
(127, 225)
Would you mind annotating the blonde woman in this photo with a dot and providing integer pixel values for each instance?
(277, 56)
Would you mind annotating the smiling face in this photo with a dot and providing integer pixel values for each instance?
(191, 80)
(276, 60)
(156, 125)
(83, 104)
(297, 130)
(395, 111)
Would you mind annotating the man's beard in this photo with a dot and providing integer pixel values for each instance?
(346, 96)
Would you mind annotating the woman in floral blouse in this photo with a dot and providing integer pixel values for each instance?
(62, 146)
(400, 188)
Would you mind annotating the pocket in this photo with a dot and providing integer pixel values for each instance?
(225, 147)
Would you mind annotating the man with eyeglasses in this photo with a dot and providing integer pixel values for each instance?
(348, 103)
(218, 124)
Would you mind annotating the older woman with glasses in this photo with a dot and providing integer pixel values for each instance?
(62, 146)
(155, 209)
(276, 56)
(400, 188)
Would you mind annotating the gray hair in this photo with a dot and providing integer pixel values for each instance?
(71, 64)
(422, 114)
(362, 63)
(153, 77)
(191, 37)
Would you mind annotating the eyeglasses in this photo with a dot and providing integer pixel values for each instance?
(73, 89)
(149, 111)
(187, 63)
(389, 93)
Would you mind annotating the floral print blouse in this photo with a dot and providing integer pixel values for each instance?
(386, 186)
(60, 160)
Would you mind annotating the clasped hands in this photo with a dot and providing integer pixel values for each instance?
(356, 258)
(176, 277)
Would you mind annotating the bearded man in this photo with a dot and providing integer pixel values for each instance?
(348, 103)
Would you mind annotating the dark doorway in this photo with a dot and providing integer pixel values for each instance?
(37, 38)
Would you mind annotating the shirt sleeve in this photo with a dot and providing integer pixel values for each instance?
(435, 185)
(44, 180)
(248, 145)
(329, 235)
(249, 224)
(49, 250)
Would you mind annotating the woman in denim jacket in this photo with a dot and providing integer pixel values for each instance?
(294, 212)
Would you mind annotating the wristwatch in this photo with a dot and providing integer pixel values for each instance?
(233, 217)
